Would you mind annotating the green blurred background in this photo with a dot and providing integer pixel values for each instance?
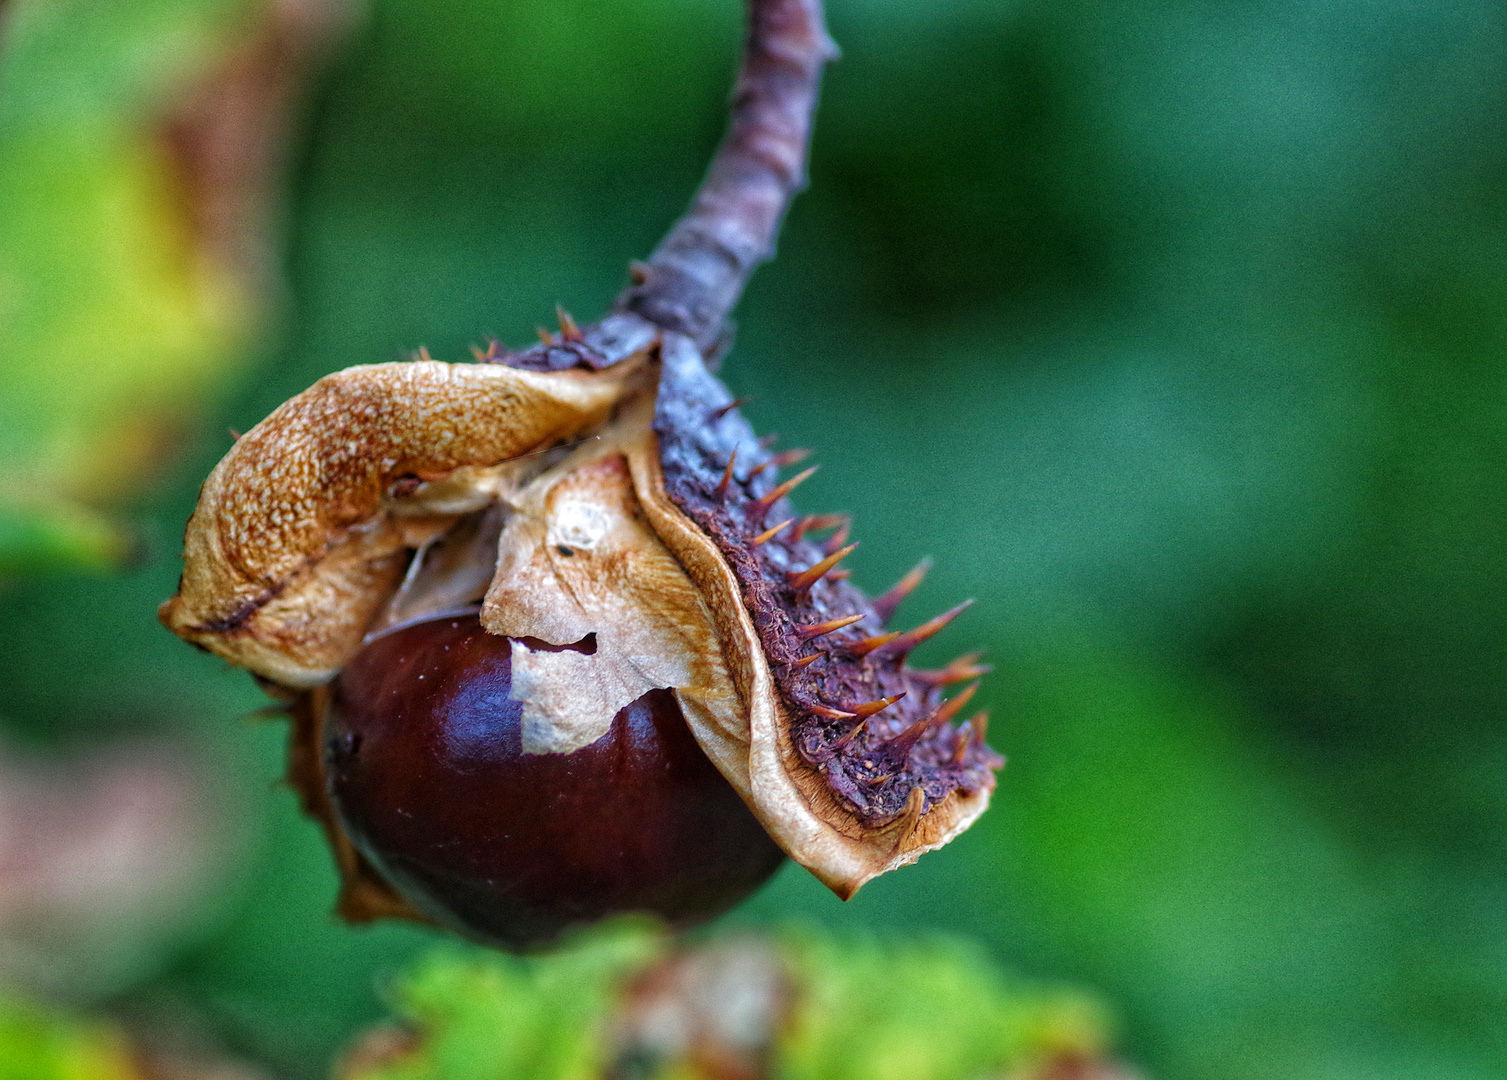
(1175, 332)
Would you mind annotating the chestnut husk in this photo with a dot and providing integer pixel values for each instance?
(323, 524)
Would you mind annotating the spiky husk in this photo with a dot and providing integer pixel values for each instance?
(359, 504)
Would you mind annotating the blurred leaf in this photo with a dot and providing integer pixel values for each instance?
(39, 540)
(36, 1044)
(488, 1017)
(114, 324)
(896, 1009)
(859, 1009)
(126, 297)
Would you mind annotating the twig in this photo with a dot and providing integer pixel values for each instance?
(694, 278)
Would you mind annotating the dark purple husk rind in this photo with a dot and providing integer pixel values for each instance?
(874, 772)
(597, 346)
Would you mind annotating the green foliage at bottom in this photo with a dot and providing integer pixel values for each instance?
(482, 1015)
(859, 1008)
(871, 1008)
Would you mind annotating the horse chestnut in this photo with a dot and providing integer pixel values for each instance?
(426, 771)
(664, 679)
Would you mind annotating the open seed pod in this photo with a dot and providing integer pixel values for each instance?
(598, 503)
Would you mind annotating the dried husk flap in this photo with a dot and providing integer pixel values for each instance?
(303, 529)
(303, 533)
(364, 895)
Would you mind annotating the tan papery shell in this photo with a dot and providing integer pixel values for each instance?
(299, 538)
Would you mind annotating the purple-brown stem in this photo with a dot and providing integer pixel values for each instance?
(694, 278)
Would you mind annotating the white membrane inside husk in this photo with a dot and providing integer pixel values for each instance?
(580, 568)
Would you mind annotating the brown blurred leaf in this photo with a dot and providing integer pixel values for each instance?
(141, 147)
(97, 857)
(716, 1012)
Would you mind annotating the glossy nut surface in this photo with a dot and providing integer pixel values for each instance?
(425, 768)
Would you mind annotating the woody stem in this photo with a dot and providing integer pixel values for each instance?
(696, 275)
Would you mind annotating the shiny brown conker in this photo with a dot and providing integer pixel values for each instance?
(425, 767)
